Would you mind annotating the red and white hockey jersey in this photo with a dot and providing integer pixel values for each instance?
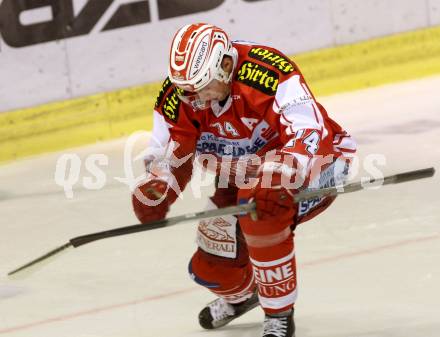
(270, 107)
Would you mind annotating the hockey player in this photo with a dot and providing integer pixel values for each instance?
(241, 102)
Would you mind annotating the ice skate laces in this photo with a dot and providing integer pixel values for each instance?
(220, 309)
(275, 326)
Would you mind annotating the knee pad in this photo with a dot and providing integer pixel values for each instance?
(199, 280)
(228, 279)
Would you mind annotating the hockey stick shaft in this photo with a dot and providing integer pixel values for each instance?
(84, 239)
(231, 210)
(357, 186)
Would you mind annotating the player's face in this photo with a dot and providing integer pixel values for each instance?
(215, 90)
(201, 99)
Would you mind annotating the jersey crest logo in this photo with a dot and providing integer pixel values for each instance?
(165, 86)
(273, 59)
(258, 77)
(170, 107)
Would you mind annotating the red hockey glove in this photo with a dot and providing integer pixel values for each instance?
(272, 202)
(272, 197)
(150, 202)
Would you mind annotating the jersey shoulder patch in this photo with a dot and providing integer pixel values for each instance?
(171, 105)
(272, 58)
(163, 90)
(256, 76)
(168, 101)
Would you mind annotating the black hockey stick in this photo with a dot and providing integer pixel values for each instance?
(231, 210)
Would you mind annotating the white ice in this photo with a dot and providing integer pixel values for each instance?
(368, 267)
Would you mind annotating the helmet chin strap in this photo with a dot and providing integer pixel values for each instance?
(223, 76)
(199, 105)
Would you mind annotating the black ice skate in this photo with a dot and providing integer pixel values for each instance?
(282, 326)
(219, 312)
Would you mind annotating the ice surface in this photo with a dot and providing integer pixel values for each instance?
(368, 267)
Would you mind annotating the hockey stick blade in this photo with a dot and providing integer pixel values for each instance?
(231, 210)
(32, 266)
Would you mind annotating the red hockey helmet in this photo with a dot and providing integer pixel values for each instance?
(196, 55)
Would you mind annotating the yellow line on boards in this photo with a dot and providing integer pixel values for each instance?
(61, 125)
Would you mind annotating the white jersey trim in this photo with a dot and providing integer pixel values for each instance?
(160, 137)
(297, 107)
